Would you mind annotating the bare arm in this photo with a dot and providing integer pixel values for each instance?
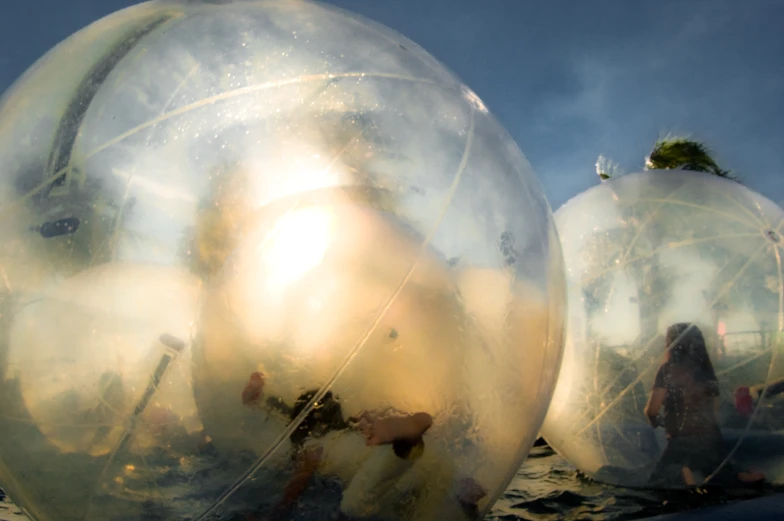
(654, 405)
(306, 468)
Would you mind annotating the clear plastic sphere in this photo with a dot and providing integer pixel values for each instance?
(219, 217)
(645, 252)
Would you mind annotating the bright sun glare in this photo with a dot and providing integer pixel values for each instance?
(275, 261)
(296, 245)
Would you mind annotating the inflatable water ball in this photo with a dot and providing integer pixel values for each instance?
(268, 257)
(683, 268)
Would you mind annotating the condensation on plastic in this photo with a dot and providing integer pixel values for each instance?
(192, 192)
(643, 252)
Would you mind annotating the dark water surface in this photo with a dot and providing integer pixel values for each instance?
(547, 488)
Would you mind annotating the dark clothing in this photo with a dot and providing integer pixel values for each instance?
(326, 416)
(693, 433)
(702, 453)
(689, 403)
(405, 448)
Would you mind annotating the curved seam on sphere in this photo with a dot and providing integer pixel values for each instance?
(675, 245)
(710, 305)
(650, 342)
(374, 27)
(294, 205)
(66, 135)
(667, 247)
(68, 129)
(724, 195)
(275, 445)
(628, 262)
(174, 93)
(780, 226)
(756, 218)
(645, 226)
(745, 362)
(131, 425)
(550, 234)
(585, 408)
(753, 225)
(600, 441)
(176, 16)
(214, 99)
(627, 437)
(561, 333)
(166, 105)
(551, 336)
(760, 403)
(521, 452)
(649, 218)
(617, 399)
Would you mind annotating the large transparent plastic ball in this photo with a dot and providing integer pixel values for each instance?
(227, 228)
(646, 252)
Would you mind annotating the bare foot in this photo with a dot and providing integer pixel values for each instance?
(470, 492)
(387, 430)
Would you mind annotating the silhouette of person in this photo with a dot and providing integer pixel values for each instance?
(687, 389)
(404, 434)
(399, 435)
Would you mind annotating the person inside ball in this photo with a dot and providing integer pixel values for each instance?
(687, 390)
(396, 441)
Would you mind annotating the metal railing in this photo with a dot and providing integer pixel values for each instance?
(743, 341)
(737, 343)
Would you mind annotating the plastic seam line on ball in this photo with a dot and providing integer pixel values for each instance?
(650, 255)
(214, 210)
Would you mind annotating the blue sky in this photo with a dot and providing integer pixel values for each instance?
(569, 79)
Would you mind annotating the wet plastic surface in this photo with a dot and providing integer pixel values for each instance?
(193, 193)
(646, 251)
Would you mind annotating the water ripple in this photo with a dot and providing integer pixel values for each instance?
(547, 488)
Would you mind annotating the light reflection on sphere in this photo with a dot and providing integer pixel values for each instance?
(192, 192)
(645, 251)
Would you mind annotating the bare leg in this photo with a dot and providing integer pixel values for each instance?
(307, 466)
(470, 492)
(383, 431)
